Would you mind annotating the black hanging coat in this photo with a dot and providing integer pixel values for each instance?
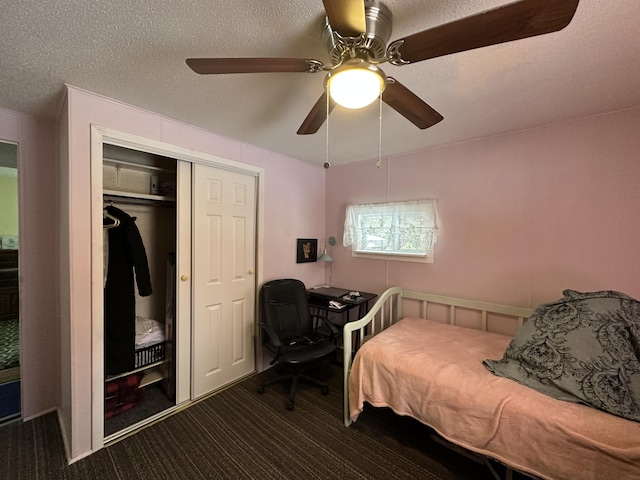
(126, 254)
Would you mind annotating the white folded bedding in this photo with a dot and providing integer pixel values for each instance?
(148, 332)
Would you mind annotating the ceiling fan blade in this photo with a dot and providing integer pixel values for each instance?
(317, 115)
(253, 65)
(346, 16)
(526, 18)
(409, 105)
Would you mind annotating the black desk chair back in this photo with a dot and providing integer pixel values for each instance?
(291, 334)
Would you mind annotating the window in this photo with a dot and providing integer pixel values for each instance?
(397, 229)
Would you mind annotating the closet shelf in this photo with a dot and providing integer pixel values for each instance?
(140, 369)
(152, 376)
(136, 166)
(143, 196)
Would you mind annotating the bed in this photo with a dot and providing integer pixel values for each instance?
(422, 355)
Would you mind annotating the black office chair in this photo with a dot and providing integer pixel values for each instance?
(292, 336)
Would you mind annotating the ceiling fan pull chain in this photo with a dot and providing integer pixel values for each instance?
(380, 164)
(327, 164)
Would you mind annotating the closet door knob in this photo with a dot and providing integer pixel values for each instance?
(184, 278)
(251, 271)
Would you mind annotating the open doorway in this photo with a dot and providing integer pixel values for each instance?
(9, 285)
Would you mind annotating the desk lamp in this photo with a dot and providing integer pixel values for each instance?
(325, 257)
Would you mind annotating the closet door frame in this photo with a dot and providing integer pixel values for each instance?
(103, 135)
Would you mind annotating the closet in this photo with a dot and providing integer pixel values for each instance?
(197, 218)
(139, 227)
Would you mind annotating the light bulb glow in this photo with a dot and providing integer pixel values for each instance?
(355, 86)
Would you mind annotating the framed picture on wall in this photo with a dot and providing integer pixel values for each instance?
(306, 250)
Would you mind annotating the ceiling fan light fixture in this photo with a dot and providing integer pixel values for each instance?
(356, 84)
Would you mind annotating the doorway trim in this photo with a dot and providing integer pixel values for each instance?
(99, 136)
(16, 373)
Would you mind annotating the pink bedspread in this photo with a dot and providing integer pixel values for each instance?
(433, 372)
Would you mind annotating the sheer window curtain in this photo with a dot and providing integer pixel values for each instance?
(392, 228)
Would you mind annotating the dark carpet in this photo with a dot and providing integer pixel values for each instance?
(239, 434)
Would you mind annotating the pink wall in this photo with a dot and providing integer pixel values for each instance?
(291, 188)
(293, 204)
(524, 215)
(38, 191)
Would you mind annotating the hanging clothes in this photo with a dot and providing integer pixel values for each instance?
(108, 221)
(127, 257)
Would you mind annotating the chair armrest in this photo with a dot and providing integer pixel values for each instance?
(328, 323)
(273, 336)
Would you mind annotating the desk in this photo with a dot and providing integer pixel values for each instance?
(319, 299)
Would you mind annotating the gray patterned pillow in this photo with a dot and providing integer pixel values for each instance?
(583, 348)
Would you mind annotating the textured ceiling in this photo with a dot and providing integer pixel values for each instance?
(134, 51)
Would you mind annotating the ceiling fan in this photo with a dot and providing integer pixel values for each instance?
(357, 32)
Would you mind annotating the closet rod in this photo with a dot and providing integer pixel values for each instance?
(124, 200)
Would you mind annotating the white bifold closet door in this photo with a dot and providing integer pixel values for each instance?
(223, 256)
